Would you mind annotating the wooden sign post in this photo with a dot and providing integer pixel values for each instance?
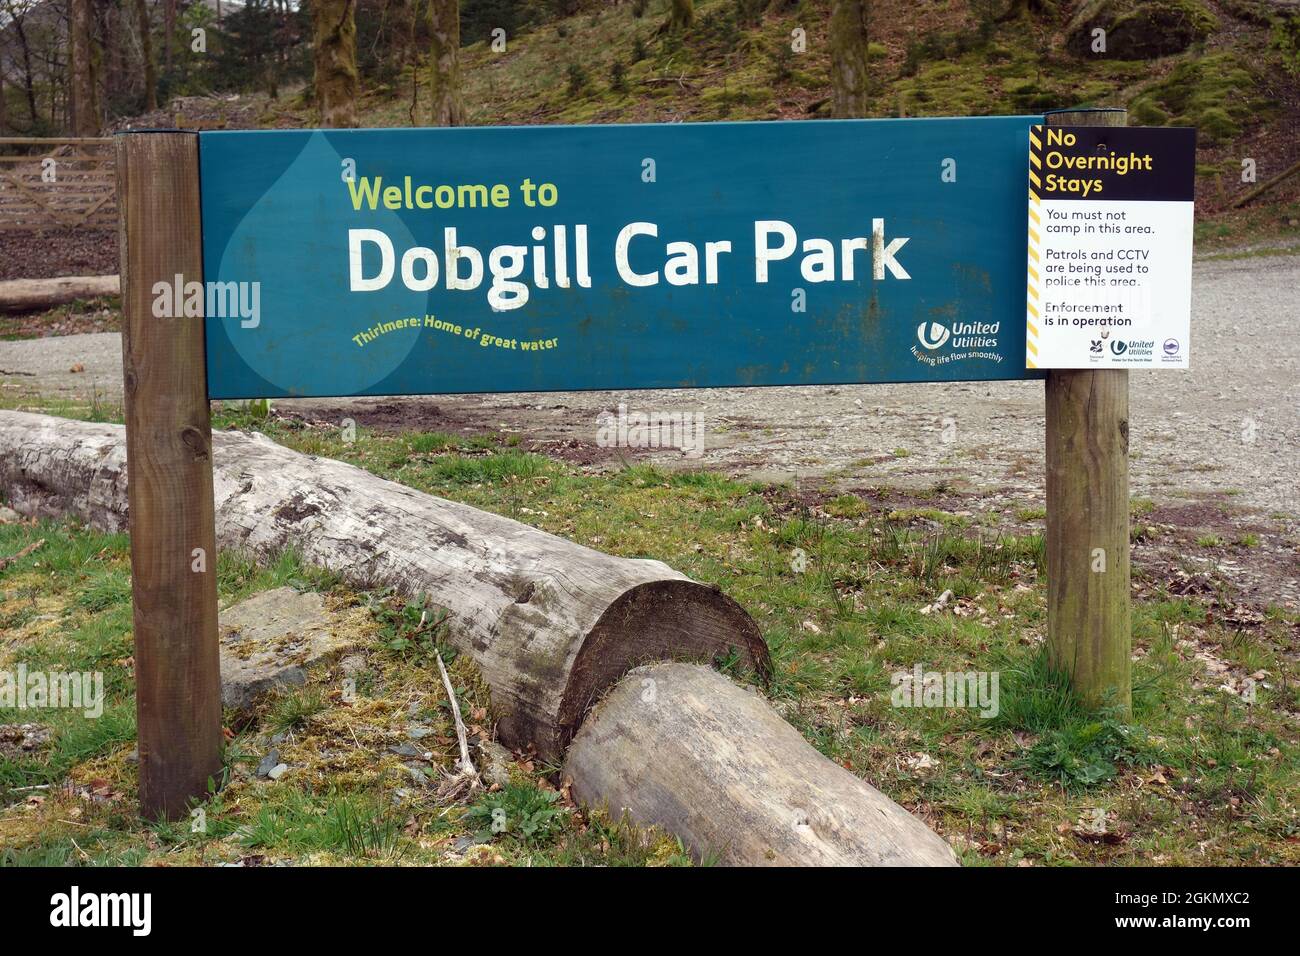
(1089, 631)
(169, 462)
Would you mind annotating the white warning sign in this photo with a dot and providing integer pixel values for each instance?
(1110, 247)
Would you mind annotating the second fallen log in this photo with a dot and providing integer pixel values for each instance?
(681, 747)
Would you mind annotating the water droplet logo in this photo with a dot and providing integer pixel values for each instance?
(292, 231)
(1119, 346)
(934, 337)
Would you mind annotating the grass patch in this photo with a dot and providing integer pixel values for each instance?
(845, 593)
(520, 812)
(356, 827)
(291, 711)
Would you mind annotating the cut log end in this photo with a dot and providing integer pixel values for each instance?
(658, 621)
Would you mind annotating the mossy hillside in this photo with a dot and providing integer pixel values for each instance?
(613, 64)
(1140, 28)
(606, 64)
(1217, 93)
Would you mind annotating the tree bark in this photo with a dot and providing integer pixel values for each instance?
(683, 748)
(146, 49)
(447, 105)
(681, 14)
(16, 15)
(107, 23)
(169, 30)
(400, 35)
(551, 624)
(36, 295)
(337, 82)
(849, 69)
(29, 80)
(81, 57)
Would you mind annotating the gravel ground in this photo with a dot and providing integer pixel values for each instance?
(1227, 427)
(51, 255)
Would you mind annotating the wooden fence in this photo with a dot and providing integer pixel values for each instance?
(50, 184)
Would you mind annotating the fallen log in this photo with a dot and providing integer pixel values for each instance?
(1254, 193)
(36, 295)
(553, 627)
(550, 623)
(682, 747)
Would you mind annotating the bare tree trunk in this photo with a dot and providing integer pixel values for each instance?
(848, 41)
(146, 48)
(169, 28)
(81, 64)
(108, 53)
(448, 108)
(4, 103)
(337, 82)
(402, 35)
(681, 14)
(29, 80)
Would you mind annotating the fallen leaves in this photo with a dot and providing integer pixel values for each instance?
(919, 762)
(939, 604)
(1094, 828)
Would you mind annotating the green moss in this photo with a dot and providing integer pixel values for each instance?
(1139, 29)
(1252, 11)
(1216, 126)
(1217, 94)
(997, 53)
(1031, 97)
(1145, 112)
(1192, 15)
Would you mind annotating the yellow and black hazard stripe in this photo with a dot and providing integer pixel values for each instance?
(1035, 246)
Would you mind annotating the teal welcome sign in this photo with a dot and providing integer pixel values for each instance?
(425, 261)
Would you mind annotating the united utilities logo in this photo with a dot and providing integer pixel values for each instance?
(1118, 347)
(965, 341)
(934, 337)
